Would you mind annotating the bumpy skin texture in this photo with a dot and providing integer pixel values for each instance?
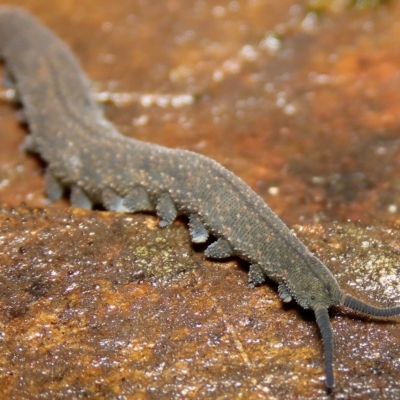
(84, 150)
(85, 153)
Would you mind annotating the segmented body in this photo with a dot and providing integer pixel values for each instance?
(86, 153)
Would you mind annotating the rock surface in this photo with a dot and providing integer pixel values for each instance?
(300, 99)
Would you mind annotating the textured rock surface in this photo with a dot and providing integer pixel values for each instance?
(305, 108)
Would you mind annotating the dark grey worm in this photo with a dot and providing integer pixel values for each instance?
(85, 153)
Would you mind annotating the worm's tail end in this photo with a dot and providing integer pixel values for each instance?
(358, 305)
(324, 324)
